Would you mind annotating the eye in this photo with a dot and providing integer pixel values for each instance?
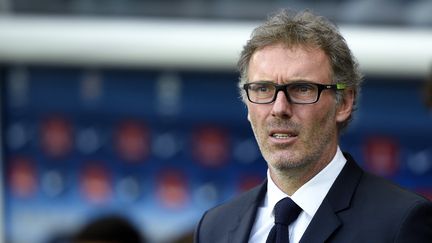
(302, 88)
(261, 87)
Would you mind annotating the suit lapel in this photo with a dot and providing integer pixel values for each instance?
(323, 224)
(326, 221)
(246, 217)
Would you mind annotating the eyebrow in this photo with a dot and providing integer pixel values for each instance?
(291, 81)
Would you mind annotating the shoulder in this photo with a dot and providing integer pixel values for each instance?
(382, 208)
(236, 205)
(217, 221)
(376, 190)
(408, 214)
(384, 190)
(416, 224)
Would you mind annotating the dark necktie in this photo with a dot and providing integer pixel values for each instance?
(286, 211)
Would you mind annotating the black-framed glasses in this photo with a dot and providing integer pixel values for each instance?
(265, 92)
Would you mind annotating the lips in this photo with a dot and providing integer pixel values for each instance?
(282, 131)
(282, 135)
(282, 139)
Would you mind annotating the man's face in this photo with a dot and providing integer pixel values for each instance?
(294, 135)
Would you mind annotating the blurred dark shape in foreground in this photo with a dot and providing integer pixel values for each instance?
(106, 229)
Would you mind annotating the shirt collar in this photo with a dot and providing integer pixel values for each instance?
(309, 196)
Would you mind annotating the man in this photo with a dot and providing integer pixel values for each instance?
(300, 83)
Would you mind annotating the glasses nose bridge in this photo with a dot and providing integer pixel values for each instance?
(284, 89)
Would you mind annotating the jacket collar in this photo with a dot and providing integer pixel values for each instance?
(326, 220)
(246, 217)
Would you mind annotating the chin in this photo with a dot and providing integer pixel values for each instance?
(283, 163)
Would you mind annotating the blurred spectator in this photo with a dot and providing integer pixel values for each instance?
(188, 237)
(109, 229)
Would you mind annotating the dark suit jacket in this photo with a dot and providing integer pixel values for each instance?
(359, 208)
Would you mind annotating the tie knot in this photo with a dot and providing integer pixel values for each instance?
(286, 211)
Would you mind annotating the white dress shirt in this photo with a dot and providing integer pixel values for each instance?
(308, 197)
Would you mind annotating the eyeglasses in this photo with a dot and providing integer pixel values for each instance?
(265, 92)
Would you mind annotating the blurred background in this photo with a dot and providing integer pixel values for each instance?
(131, 108)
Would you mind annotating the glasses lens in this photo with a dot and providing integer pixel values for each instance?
(261, 92)
(303, 92)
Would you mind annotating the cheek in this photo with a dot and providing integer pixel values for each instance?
(255, 115)
(316, 120)
(325, 122)
(254, 122)
(257, 122)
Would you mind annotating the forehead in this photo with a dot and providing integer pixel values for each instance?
(280, 63)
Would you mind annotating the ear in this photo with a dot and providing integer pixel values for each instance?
(345, 108)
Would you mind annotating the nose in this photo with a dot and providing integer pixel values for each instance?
(281, 106)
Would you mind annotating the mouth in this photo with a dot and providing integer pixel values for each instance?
(283, 135)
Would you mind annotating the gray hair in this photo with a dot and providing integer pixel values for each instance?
(308, 30)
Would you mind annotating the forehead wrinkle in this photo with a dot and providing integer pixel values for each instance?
(303, 59)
